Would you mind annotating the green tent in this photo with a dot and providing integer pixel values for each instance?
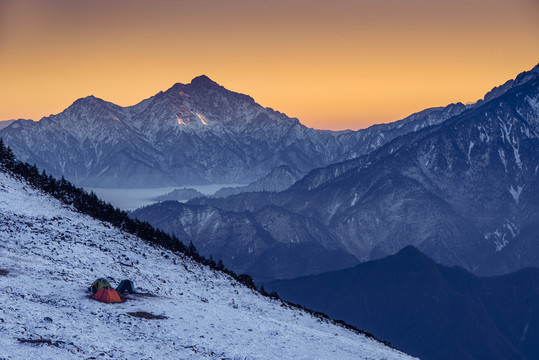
(98, 284)
(126, 286)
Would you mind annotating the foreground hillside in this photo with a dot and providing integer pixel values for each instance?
(50, 254)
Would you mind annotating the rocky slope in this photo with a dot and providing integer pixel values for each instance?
(5, 123)
(267, 244)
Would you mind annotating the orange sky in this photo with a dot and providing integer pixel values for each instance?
(333, 64)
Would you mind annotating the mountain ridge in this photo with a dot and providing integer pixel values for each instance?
(194, 133)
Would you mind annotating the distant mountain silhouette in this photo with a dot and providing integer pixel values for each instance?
(429, 310)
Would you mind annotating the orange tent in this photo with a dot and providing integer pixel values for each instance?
(108, 295)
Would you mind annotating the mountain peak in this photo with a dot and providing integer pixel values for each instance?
(410, 251)
(411, 258)
(203, 81)
(86, 100)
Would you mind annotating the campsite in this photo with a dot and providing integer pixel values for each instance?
(101, 290)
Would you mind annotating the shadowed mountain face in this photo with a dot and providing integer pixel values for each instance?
(258, 243)
(429, 310)
(279, 179)
(190, 134)
(463, 191)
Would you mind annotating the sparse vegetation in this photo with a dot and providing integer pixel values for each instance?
(146, 315)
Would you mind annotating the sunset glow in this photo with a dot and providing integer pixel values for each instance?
(332, 64)
(202, 119)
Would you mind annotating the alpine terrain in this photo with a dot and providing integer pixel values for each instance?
(5, 123)
(197, 133)
(51, 253)
(464, 191)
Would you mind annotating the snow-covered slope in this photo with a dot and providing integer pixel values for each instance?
(49, 254)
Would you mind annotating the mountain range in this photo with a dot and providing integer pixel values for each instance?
(197, 133)
(464, 191)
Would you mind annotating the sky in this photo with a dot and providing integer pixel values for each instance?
(339, 64)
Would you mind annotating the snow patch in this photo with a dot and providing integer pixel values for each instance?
(515, 192)
(501, 241)
(483, 134)
(103, 171)
(470, 147)
(505, 131)
(524, 332)
(534, 103)
(511, 227)
(501, 153)
(354, 200)
(517, 156)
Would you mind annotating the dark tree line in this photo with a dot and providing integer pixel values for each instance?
(90, 204)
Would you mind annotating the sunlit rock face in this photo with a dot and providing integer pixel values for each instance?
(190, 134)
